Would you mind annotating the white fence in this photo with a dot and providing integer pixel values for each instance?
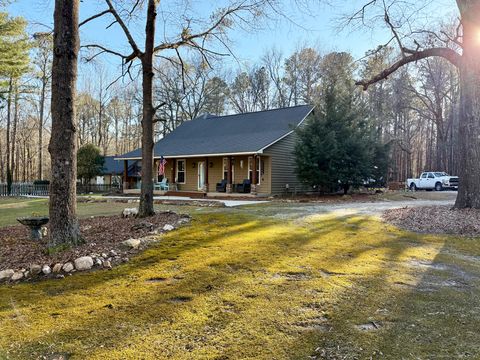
(24, 189)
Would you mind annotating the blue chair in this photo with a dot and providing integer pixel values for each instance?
(162, 185)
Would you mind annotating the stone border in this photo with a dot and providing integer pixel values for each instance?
(88, 262)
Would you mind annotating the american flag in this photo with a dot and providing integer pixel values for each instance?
(161, 166)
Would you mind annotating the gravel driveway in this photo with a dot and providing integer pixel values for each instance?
(374, 208)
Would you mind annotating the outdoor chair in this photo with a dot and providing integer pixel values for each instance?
(162, 185)
(244, 187)
(222, 186)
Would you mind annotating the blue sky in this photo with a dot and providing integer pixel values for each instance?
(315, 26)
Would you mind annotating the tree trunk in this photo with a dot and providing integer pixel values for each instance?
(146, 196)
(64, 227)
(469, 122)
(14, 135)
(9, 117)
(40, 128)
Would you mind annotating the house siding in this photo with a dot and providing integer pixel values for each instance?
(215, 173)
(282, 163)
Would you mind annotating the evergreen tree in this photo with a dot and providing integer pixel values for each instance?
(89, 162)
(14, 62)
(337, 148)
(14, 48)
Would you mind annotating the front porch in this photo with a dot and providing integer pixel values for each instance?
(218, 176)
(194, 194)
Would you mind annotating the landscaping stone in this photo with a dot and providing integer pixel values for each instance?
(113, 253)
(57, 268)
(6, 274)
(143, 225)
(107, 264)
(130, 212)
(168, 227)
(68, 267)
(46, 270)
(104, 255)
(98, 262)
(83, 263)
(17, 276)
(132, 243)
(35, 269)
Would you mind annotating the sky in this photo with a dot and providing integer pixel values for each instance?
(316, 26)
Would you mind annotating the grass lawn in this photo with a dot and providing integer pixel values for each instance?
(250, 283)
(11, 209)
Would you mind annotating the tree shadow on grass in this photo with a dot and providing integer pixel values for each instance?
(416, 306)
(200, 308)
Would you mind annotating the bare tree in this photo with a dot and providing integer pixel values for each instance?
(64, 226)
(215, 30)
(42, 61)
(461, 48)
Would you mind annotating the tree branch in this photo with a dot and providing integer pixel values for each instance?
(131, 40)
(94, 17)
(446, 53)
(103, 50)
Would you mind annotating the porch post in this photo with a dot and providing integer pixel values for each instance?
(125, 175)
(174, 171)
(229, 175)
(254, 175)
(206, 174)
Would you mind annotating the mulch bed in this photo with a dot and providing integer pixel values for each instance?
(436, 220)
(101, 234)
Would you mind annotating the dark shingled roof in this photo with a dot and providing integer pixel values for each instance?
(111, 166)
(115, 167)
(241, 133)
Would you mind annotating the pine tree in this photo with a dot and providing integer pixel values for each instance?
(14, 62)
(337, 148)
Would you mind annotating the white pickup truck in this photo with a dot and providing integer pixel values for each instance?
(433, 180)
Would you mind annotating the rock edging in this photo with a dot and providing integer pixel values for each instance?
(87, 262)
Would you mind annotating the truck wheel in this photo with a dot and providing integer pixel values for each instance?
(413, 187)
(438, 186)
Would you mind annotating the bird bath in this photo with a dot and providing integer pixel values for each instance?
(35, 224)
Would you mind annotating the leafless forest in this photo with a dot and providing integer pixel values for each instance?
(415, 110)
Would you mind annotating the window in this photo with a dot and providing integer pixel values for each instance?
(181, 171)
(225, 170)
(424, 175)
(430, 176)
(250, 166)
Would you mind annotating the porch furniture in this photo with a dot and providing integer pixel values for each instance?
(244, 187)
(162, 185)
(222, 186)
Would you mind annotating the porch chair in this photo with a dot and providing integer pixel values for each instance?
(244, 187)
(162, 185)
(222, 186)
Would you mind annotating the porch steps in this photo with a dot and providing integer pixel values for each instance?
(193, 194)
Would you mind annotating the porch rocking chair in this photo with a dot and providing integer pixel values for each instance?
(244, 187)
(222, 186)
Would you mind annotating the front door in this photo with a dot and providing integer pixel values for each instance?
(201, 175)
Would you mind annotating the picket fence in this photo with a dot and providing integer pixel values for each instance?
(24, 189)
(30, 189)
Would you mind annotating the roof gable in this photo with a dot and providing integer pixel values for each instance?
(240, 133)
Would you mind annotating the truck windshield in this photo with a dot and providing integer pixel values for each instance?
(441, 174)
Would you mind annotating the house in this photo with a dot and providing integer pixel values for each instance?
(249, 152)
(113, 172)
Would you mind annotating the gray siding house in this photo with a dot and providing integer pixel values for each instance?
(248, 154)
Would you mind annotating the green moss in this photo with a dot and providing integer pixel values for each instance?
(236, 285)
